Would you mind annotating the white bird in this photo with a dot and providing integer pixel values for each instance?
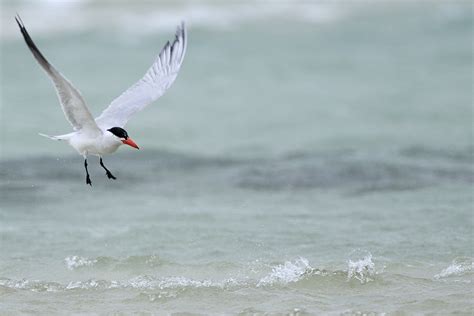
(105, 134)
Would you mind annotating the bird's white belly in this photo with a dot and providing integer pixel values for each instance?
(94, 146)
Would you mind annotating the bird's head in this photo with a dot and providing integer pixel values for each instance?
(122, 135)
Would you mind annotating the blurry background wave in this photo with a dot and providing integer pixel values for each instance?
(259, 77)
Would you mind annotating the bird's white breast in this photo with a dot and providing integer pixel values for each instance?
(103, 144)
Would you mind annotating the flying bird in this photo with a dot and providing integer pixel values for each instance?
(106, 133)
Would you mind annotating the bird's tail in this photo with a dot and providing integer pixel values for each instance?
(58, 137)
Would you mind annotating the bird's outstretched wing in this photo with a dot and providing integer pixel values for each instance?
(154, 83)
(72, 103)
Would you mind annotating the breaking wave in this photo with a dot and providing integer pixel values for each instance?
(144, 18)
(287, 273)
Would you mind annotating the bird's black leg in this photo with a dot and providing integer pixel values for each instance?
(88, 179)
(107, 172)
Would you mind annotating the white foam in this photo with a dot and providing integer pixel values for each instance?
(31, 285)
(145, 282)
(290, 271)
(89, 284)
(181, 282)
(458, 267)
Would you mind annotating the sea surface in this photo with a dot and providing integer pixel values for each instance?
(310, 159)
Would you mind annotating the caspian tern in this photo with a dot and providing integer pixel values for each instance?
(105, 134)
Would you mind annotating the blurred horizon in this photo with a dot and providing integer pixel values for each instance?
(114, 45)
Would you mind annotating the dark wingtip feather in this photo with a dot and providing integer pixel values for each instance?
(180, 33)
(180, 30)
(184, 37)
(31, 45)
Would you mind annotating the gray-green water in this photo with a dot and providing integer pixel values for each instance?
(309, 159)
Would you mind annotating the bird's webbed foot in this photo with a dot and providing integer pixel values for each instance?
(110, 175)
(107, 172)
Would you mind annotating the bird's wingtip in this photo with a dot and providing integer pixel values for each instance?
(181, 27)
(19, 20)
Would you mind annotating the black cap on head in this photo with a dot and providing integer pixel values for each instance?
(119, 132)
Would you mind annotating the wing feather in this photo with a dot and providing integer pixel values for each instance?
(154, 84)
(72, 103)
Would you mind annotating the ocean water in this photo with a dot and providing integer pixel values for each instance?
(309, 159)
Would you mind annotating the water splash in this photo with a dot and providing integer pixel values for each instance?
(287, 272)
(458, 267)
(361, 268)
